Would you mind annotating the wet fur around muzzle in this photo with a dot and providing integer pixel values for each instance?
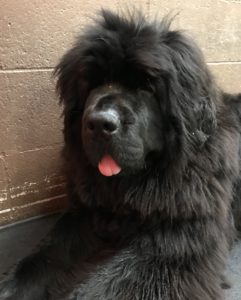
(152, 160)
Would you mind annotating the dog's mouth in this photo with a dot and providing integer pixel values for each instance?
(108, 166)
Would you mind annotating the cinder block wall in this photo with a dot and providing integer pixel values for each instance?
(34, 34)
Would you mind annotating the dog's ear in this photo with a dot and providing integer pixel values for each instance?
(191, 89)
(71, 85)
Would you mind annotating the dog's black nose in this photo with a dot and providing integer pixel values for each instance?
(103, 122)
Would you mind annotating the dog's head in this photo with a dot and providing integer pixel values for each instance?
(135, 93)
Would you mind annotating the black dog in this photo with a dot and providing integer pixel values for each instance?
(152, 163)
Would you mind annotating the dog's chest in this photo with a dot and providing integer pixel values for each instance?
(115, 228)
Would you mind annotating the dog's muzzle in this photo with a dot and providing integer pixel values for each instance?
(102, 124)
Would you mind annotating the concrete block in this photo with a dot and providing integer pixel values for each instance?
(215, 24)
(4, 197)
(36, 33)
(35, 184)
(29, 111)
(5, 201)
(31, 171)
(228, 76)
(131, 5)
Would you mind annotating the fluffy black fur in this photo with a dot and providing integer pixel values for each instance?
(162, 227)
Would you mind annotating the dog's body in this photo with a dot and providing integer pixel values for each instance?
(154, 222)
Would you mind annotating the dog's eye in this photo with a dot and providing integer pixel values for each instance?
(127, 117)
(128, 122)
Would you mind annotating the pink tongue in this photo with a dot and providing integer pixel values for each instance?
(108, 167)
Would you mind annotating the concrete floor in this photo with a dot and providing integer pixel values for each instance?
(19, 240)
